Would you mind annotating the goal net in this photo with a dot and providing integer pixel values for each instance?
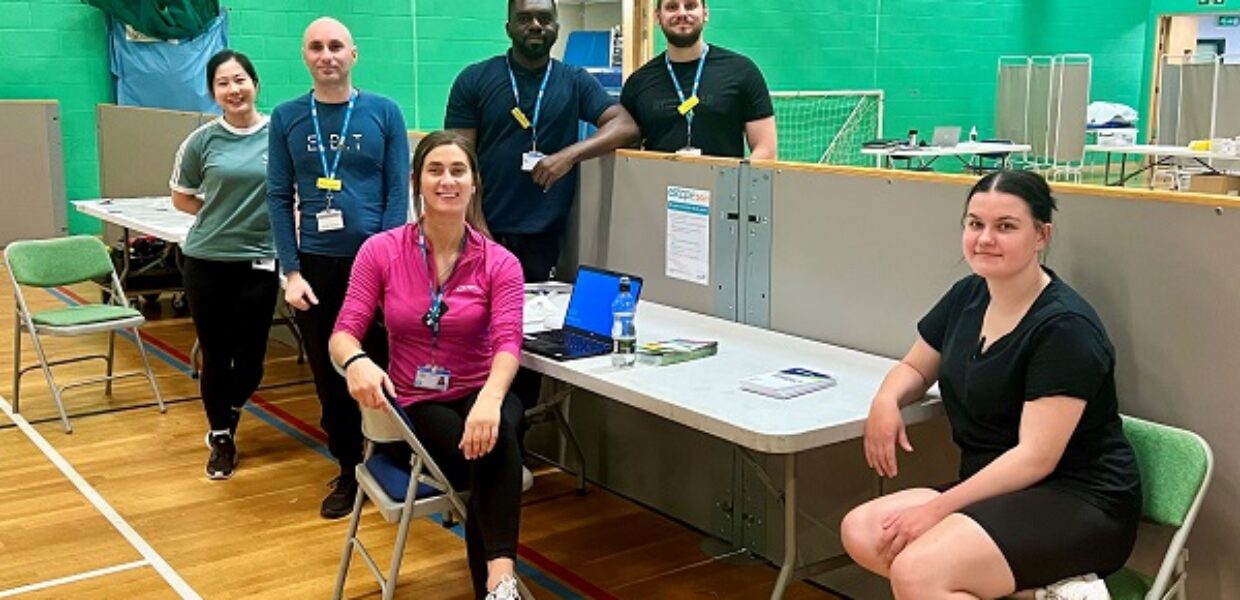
(828, 127)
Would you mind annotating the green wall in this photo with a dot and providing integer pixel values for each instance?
(935, 60)
(54, 49)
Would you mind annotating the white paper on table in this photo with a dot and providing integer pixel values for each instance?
(688, 235)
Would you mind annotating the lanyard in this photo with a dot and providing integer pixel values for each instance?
(542, 89)
(438, 308)
(318, 132)
(680, 92)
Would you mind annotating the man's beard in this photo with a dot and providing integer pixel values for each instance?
(535, 52)
(683, 41)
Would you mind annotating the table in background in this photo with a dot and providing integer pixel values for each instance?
(1156, 156)
(966, 153)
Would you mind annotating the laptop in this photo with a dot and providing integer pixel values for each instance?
(945, 137)
(587, 324)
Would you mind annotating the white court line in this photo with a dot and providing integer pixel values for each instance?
(152, 557)
(42, 585)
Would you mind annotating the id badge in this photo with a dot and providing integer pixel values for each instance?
(264, 264)
(330, 184)
(689, 151)
(530, 159)
(330, 220)
(432, 378)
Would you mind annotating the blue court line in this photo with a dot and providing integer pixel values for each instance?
(524, 568)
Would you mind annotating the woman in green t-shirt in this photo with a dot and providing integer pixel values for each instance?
(220, 176)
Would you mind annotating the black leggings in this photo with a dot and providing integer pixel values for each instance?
(231, 303)
(494, 480)
(328, 277)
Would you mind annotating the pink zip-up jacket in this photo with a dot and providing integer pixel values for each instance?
(485, 298)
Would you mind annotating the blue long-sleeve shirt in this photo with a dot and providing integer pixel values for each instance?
(374, 170)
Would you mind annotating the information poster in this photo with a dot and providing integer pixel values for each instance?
(688, 234)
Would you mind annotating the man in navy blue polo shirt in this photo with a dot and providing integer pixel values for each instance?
(522, 109)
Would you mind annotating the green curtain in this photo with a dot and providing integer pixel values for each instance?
(163, 19)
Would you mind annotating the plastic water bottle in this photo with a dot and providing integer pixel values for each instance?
(973, 134)
(623, 330)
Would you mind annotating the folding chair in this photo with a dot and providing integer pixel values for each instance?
(1175, 466)
(64, 261)
(400, 492)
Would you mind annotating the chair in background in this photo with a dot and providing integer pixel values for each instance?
(1175, 466)
(401, 492)
(65, 261)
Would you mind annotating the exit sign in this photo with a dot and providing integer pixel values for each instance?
(1229, 21)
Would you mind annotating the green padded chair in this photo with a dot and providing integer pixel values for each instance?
(65, 261)
(1175, 471)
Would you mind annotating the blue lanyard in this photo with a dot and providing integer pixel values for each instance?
(680, 92)
(542, 89)
(318, 132)
(438, 309)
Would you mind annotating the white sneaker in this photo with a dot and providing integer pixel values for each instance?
(506, 590)
(527, 478)
(1081, 587)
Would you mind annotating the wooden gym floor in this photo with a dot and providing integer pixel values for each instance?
(121, 508)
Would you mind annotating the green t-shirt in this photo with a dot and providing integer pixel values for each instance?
(227, 166)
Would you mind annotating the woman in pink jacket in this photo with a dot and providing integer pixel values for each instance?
(451, 299)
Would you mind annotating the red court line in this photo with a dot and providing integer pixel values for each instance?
(563, 574)
(533, 556)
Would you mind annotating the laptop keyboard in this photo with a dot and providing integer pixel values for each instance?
(574, 344)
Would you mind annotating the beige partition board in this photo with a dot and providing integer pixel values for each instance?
(857, 260)
(637, 234)
(32, 168)
(137, 147)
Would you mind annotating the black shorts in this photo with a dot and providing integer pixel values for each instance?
(1047, 535)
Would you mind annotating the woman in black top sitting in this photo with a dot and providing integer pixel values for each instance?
(1049, 494)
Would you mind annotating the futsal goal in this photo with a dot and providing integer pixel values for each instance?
(828, 127)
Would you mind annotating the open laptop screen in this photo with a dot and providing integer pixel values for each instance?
(589, 307)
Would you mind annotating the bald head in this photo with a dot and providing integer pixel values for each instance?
(328, 50)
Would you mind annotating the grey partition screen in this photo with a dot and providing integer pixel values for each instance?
(1169, 104)
(1039, 108)
(639, 195)
(1069, 102)
(1012, 99)
(137, 147)
(1196, 112)
(1227, 105)
(32, 167)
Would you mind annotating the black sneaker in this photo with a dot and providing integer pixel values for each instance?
(339, 503)
(223, 457)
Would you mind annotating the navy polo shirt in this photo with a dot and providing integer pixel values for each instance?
(482, 99)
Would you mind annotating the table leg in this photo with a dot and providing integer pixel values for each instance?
(1106, 171)
(790, 527)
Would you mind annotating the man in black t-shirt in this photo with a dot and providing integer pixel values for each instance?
(697, 98)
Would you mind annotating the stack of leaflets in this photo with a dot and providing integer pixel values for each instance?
(787, 383)
(669, 352)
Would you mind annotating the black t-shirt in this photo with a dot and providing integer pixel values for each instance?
(732, 93)
(1059, 348)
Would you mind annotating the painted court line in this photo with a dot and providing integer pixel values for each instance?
(43, 585)
(152, 557)
(534, 565)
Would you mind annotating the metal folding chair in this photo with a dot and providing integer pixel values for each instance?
(65, 261)
(400, 492)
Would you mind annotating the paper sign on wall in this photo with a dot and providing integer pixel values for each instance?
(688, 234)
